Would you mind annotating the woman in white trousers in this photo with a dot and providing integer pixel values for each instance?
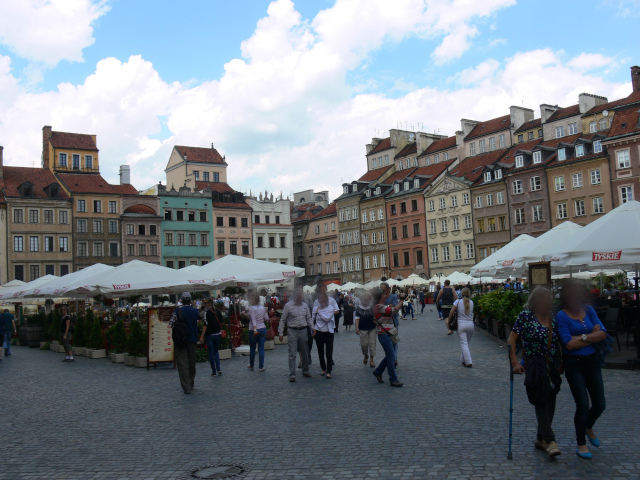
(464, 309)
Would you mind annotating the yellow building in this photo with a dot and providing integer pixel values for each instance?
(69, 152)
(188, 166)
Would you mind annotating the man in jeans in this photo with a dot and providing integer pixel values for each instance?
(297, 317)
(186, 355)
(391, 299)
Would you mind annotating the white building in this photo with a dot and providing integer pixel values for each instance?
(272, 229)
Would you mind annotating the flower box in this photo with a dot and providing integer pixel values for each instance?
(98, 353)
(129, 360)
(78, 351)
(269, 345)
(118, 357)
(284, 341)
(140, 362)
(225, 354)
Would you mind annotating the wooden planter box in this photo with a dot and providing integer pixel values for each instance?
(99, 353)
(78, 351)
(225, 354)
(269, 345)
(284, 341)
(129, 360)
(140, 362)
(118, 357)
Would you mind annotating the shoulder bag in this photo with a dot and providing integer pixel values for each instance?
(223, 332)
(179, 332)
(391, 333)
(541, 378)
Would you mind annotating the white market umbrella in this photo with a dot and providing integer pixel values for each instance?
(70, 285)
(351, 286)
(333, 287)
(13, 283)
(489, 266)
(611, 241)
(236, 270)
(458, 278)
(413, 279)
(16, 294)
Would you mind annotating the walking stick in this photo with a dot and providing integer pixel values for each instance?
(509, 454)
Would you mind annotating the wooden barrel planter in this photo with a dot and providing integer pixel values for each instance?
(22, 335)
(34, 335)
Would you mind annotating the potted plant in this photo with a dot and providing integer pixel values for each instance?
(225, 348)
(34, 329)
(96, 341)
(79, 337)
(136, 346)
(118, 343)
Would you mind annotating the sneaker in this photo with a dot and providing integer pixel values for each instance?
(553, 450)
(262, 369)
(396, 384)
(213, 374)
(249, 367)
(541, 445)
(292, 379)
(219, 373)
(378, 377)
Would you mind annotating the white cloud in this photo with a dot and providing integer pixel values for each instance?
(284, 114)
(48, 31)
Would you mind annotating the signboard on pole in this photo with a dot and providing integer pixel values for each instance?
(160, 340)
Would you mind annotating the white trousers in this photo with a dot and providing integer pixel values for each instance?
(465, 332)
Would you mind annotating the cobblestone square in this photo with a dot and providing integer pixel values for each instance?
(94, 419)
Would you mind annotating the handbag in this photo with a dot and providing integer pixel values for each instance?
(223, 332)
(604, 348)
(392, 333)
(453, 323)
(542, 379)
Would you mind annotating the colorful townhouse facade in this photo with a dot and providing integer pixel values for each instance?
(272, 228)
(321, 243)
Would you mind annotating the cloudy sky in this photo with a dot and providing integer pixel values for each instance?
(292, 91)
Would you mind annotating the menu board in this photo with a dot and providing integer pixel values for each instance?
(160, 341)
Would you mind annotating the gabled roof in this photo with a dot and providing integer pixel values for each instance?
(603, 107)
(219, 187)
(409, 149)
(39, 177)
(490, 126)
(384, 144)
(626, 121)
(561, 113)
(431, 172)
(93, 183)
(73, 141)
(200, 155)
(509, 157)
(399, 175)
(471, 167)
(374, 174)
(326, 212)
(438, 145)
(535, 123)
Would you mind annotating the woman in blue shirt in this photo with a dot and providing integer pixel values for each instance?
(579, 328)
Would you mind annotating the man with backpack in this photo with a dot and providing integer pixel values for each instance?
(184, 323)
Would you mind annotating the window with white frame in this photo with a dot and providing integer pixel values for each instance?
(492, 144)
(383, 260)
(396, 188)
(381, 237)
(342, 238)
(457, 252)
(519, 216)
(580, 210)
(312, 269)
(375, 261)
(536, 210)
(498, 173)
(576, 180)
(598, 205)
(602, 124)
(349, 238)
(472, 148)
(455, 223)
(406, 185)
(516, 187)
(436, 158)
(443, 203)
(626, 194)
(432, 226)
(372, 215)
(445, 253)
(356, 236)
(357, 263)
(597, 146)
(386, 159)
(623, 159)
(345, 189)
(432, 205)
(501, 140)
(342, 215)
(348, 212)
(434, 254)
(443, 225)
(381, 213)
(335, 267)
(595, 176)
(454, 200)
(427, 161)
(364, 217)
(573, 128)
(561, 211)
(416, 183)
(478, 201)
(351, 264)
(535, 183)
(374, 163)
(377, 191)
(467, 221)
(367, 262)
(559, 131)
(465, 199)
(562, 154)
(344, 264)
(519, 161)
(500, 198)
(487, 176)
(374, 238)
(365, 239)
(355, 212)
(537, 156)
(489, 199)
(580, 150)
(470, 252)
(368, 193)
(445, 156)
(481, 145)
(593, 126)
(559, 183)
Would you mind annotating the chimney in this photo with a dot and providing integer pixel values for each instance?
(467, 125)
(587, 101)
(635, 78)
(519, 116)
(125, 175)
(546, 111)
(46, 135)
(1, 163)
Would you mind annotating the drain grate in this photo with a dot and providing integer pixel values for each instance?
(221, 470)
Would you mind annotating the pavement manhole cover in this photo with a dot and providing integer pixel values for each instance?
(219, 471)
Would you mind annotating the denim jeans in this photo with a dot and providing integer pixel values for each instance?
(585, 379)
(409, 308)
(7, 340)
(259, 340)
(389, 359)
(213, 345)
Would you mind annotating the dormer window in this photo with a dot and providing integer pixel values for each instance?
(368, 193)
(519, 161)
(597, 146)
(537, 157)
(428, 161)
(377, 191)
(400, 165)
(416, 183)
(26, 190)
(562, 154)
(346, 189)
(487, 176)
(52, 191)
(62, 159)
(88, 162)
(374, 163)
(406, 185)
(396, 188)
(580, 150)
(415, 162)
(498, 174)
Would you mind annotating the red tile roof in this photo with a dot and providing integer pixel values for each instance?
(230, 205)
(438, 145)
(471, 167)
(330, 210)
(384, 144)
(509, 156)
(39, 177)
(219, 187)
(126, 189)
(200, 155)
(625, 122)
(140, 209)
(564, 113)
(633, 98)
(75, 141)
(490, 126)
(407, 172)
(535, 123)
(409, 149)
(553, 160)
(434, 169)
(603, 107)
(374, 174)
(88, 183)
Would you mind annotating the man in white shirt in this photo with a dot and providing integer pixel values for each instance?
(226, 302)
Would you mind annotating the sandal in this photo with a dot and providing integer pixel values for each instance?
(328, 377)
(366, 359)
(371, 364)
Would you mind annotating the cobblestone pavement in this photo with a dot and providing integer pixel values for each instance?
(97, 420)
